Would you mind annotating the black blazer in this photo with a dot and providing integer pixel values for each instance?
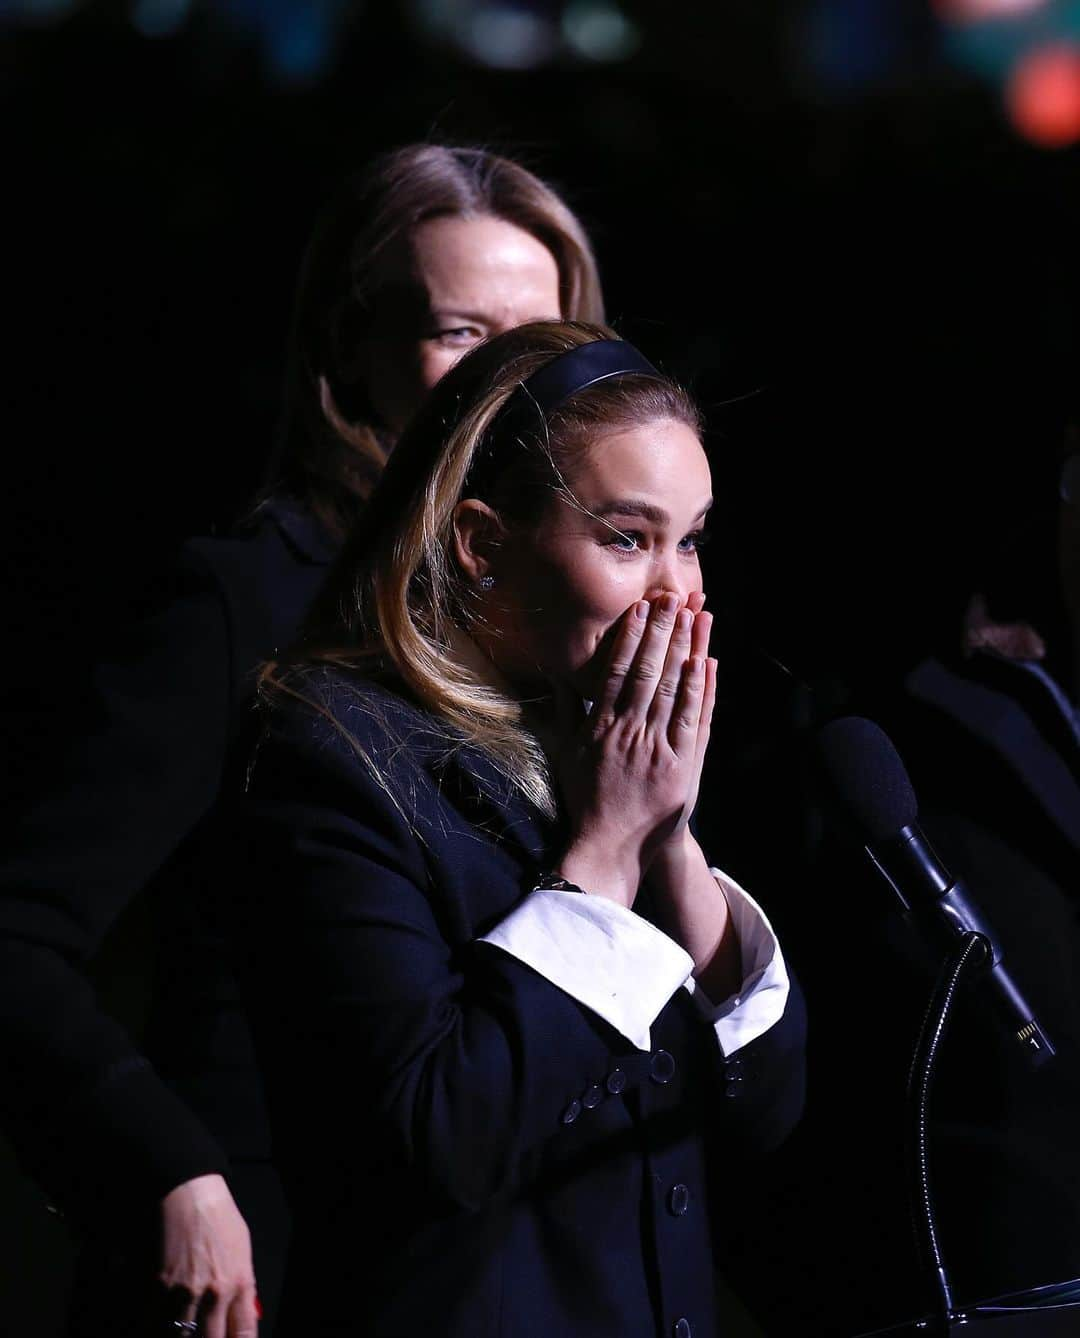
(135, 801)
(469, 1151)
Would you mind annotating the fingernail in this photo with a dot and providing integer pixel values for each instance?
(669, 603)
(684, 620)
(641, 609)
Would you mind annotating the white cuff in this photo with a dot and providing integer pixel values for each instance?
(614, 962)
(762, 998)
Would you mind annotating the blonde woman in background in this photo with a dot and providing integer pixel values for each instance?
(159, 1154)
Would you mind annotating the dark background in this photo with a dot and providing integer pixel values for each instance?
(819, 214)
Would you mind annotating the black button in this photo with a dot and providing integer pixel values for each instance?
(681, 1329)
(662, 1068)
(572, 1111)
(616, 1081)
(592, 1096)
(678, 1200)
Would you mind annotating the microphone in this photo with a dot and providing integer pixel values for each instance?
(875, 791)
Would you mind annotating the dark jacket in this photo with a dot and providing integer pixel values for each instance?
(135, 803)
(469, 1150)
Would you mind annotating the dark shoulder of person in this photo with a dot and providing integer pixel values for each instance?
(268, 570)
(359, 713)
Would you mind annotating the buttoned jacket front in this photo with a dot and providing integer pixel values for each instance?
(469, 1150)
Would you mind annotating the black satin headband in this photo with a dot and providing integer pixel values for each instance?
(572, 371)
(550, 386)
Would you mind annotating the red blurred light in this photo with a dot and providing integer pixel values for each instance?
(1043, 95)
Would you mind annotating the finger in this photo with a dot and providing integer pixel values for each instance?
(667, 686)
(213, 1315)
(699, 641)
(695, 601)
(649, 661)
(243, 1316)
(700, 646)
(708, 702)
(182, 1304)
(627, 639)
(686, 717)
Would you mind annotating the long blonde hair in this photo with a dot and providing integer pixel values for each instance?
(331, 446)
(397, 604)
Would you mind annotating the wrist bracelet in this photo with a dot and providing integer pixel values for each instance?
(554, 882)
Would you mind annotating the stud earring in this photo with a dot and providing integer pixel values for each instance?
(486, 582)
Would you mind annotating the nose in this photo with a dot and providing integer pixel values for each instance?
(676, 580)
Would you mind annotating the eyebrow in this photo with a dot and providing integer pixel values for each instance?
(458, 313)
(633, 506)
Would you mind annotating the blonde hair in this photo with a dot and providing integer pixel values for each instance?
(331, 447)
(396, 603)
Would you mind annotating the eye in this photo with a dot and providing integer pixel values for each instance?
(457, 336)
(694, 542)
(624, 541)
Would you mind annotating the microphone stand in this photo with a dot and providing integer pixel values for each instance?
(972, 951)
(1053, 1309)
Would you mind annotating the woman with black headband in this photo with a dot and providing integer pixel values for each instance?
(516, 1031)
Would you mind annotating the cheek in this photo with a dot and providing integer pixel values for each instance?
(432, 364)
(581, 602)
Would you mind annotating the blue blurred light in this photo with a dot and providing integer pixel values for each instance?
(299, 45)
(297, 38)
(510, 37)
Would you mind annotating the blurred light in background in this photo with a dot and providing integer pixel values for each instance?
(974, 11)
(510, 36)
(598, 30)
(504, 34)
(300, 42)
(1043, 95)
(1031, 50)
(297, 39)
(528, 34)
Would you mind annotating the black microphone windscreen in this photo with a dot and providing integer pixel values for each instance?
(867, 776)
